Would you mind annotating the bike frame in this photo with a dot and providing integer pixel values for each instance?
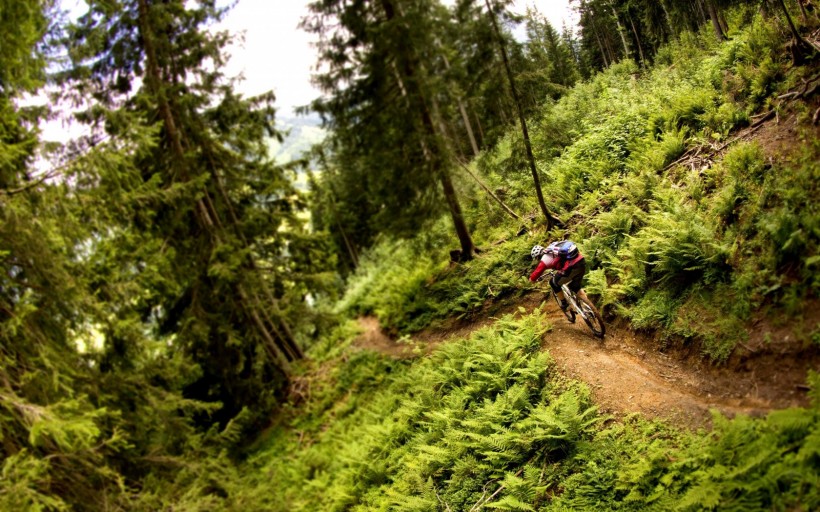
(573, 301)
(568, 294)
(575, 309)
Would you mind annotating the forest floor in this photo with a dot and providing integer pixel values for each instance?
(628, 374)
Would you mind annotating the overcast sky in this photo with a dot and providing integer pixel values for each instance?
(277, 55)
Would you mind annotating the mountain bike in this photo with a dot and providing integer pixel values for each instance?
(581, 306)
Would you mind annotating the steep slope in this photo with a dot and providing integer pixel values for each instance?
(626, 377)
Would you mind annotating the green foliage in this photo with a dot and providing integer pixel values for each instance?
(487, 422)
(402, 284)
(137, 289)
(123, 366)
(451, 428)
(689, 250)
(740, 225)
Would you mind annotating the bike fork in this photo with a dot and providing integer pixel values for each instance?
(573, 302)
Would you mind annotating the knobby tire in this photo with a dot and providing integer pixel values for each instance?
(593, 318)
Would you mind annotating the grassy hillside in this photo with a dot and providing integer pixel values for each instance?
(489, 423)
(691, 187)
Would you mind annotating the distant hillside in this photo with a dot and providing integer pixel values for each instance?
(300, 134)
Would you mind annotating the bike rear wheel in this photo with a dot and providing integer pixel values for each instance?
(569, 312)
(592, 317)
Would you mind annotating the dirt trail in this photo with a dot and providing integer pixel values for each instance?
(627, 376)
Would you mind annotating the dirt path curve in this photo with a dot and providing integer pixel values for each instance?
(626, 376)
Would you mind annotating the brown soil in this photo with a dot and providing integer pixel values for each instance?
(627, 374)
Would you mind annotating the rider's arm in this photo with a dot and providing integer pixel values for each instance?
(546, 262)
(538, 271)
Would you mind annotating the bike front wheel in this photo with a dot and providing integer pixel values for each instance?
(592, 317)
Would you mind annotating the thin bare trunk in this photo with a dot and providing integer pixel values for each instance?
(605, 55)
(701, 13)
(668, 19)
(600, 45)
(480, 129)
(801, 47)
(803, 12)
(467, 246)
(489, 192)
(713, 16)
(621, 31)
(465, 119)
(502, 111)
(637, 41)
(536, 180)
(411, 69)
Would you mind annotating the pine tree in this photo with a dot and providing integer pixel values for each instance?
(206, 225)
(52, 445)
(551, 68)
(385, 112)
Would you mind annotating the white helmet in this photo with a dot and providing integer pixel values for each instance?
(536, 252)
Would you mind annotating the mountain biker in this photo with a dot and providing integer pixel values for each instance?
(568, 263)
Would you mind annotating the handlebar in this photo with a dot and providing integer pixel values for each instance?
(547, 273)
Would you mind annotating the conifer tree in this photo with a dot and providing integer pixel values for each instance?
(52, 445)
(209, 221)
(521, 118)
(383, 107)
(551, 68)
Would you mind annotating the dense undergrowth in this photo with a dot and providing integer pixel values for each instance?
(487, 422)
(692, 250)
(688, 230)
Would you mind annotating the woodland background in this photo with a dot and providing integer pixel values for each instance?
(168, 292)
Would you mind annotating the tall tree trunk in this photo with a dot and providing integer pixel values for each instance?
(803, 13)
(414, 87)
(621, 31)
(481, 136)
(605, 37)
(637, 41)
(467, 246)
(502, 112)
(465, 119)
(536, 180)
(668, 18)
(715, 18)
(723, 23)
(278, 347)
(606, 55)
(600, 45)
(800, 48)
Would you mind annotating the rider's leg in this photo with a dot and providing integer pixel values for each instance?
(576, 274)
(555, 284)
(573, 278)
